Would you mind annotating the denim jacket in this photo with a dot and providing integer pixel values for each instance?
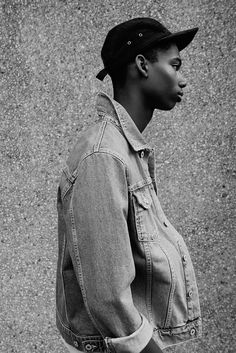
(124, 273)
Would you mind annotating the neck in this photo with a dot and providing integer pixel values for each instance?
(134, 103)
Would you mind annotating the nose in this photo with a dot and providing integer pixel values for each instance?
(181, 81)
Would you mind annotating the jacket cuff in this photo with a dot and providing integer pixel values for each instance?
(133, 343)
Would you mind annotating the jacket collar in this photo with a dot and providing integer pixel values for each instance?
(107, 106)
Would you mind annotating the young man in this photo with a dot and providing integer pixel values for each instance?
(125, 281)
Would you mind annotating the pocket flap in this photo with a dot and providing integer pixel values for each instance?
(143, 198)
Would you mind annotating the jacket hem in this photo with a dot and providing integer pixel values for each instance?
(163, 337)
(93, 343)
(170, 337)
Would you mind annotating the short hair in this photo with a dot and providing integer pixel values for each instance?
(119, 75)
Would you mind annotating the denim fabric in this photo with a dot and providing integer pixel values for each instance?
(70, 348)
(124, 273)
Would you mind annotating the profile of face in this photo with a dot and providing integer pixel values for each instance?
(163, 85)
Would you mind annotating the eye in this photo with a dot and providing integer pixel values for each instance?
(176, 66)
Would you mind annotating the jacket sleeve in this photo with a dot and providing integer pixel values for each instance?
(104, 263)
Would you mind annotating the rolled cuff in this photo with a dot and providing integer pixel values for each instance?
(133, 343)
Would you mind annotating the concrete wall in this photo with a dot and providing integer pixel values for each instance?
(50, 53)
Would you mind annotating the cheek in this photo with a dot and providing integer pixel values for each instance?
(167, 77)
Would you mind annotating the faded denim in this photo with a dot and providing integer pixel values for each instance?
(124, 273)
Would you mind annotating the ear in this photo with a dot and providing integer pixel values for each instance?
(142, 65)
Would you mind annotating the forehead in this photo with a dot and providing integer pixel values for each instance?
(168, 53)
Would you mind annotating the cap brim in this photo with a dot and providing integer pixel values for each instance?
(181, 39)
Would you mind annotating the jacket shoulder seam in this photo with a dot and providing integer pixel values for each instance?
(104, 151)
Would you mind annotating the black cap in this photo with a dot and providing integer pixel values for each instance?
(124, 41)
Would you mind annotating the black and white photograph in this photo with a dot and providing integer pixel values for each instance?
(118, 176)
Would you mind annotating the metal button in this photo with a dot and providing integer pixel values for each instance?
(190, 293)
(184, 258)
(76, 344)
(192, 332)
(129, 42)
(88, 347)
(140, 34)
(142, 154)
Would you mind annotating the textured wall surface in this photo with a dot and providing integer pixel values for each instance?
(50, 53)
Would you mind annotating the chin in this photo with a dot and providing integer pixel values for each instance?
(166, 106)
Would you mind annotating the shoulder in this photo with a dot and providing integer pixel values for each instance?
(102, 140)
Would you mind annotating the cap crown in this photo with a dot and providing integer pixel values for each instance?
(128, 36)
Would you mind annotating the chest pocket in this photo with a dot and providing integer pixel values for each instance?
(144, 214)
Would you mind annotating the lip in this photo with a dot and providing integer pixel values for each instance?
(179, 96)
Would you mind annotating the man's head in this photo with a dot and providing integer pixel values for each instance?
(143, 52)
(156, 73)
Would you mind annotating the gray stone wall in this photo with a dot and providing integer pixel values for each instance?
(50, 54)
